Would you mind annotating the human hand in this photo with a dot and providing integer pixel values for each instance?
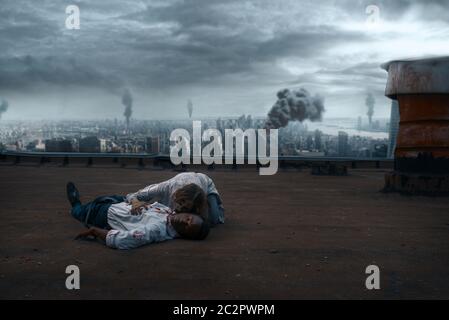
(85, 234)
(138, 207)
(94, 232)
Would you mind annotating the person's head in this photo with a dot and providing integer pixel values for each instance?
(191, 199)
(190, 226)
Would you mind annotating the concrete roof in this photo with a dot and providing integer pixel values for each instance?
(291, 236)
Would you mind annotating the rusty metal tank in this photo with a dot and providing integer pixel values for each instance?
(421, 88)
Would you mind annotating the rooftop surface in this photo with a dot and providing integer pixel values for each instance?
(288, 236)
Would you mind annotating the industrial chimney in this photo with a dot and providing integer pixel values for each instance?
(421, 157)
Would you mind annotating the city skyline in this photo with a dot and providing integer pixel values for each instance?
(154, 136)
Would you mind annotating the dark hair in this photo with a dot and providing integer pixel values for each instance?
(191, 199)
(202, 233)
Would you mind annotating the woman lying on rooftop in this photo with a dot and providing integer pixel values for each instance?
(180, 194)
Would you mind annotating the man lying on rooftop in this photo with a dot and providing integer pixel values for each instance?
(125, 226)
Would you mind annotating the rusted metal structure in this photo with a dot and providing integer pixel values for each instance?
(422, 148)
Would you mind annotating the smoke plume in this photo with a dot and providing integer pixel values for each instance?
(190, 108)
(3, 107)
(294, 105)
(370, 101)
(127, 101)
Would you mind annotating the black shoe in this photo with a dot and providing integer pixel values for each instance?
(72, 194)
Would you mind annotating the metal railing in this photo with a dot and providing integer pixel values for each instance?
(154, 159)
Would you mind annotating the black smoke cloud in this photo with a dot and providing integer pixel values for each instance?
(127, 101)
(3, 107)
(190, 108)
(294, 105)
(370, 101)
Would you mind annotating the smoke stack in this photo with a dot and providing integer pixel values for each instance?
(127, 101)
(294, 105)
(421, 156)
(370, 101)
(190, 108)
(3, 107)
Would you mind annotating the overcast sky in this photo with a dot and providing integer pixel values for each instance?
(229, 57)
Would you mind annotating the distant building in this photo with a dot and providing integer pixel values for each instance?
(380, 151)
(309, 143)
(19, 145)
(89, 144)
(364, 153)
(36, 145)
(153, 145)
(359, 123)
(318, 140)
(394, 127)
(343, 146)
(310, 154)
(58, 145)
(92, 145)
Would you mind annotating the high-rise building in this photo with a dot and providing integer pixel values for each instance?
(318, 140)
(394, 127)
(380, 151)
(90, 144)
(309, 143)
(343, 146)
(153, 145)
(58, 145)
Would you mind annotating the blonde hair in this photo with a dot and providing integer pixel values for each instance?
(191, 199)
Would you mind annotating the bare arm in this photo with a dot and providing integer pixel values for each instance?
(148, 194)
(93, 232)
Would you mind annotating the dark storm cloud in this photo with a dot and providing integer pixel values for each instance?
(305, 43)
(24, 71)
(175, 43)
(363, 75)
(197, 43)
(207, 56)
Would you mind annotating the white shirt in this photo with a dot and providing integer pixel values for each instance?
(131, 231)
(163, 191)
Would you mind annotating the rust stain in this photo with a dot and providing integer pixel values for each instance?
(416, 107)
(414, 80)
(424, 125)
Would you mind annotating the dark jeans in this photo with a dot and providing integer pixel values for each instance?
(216, 211)
(95, 213)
